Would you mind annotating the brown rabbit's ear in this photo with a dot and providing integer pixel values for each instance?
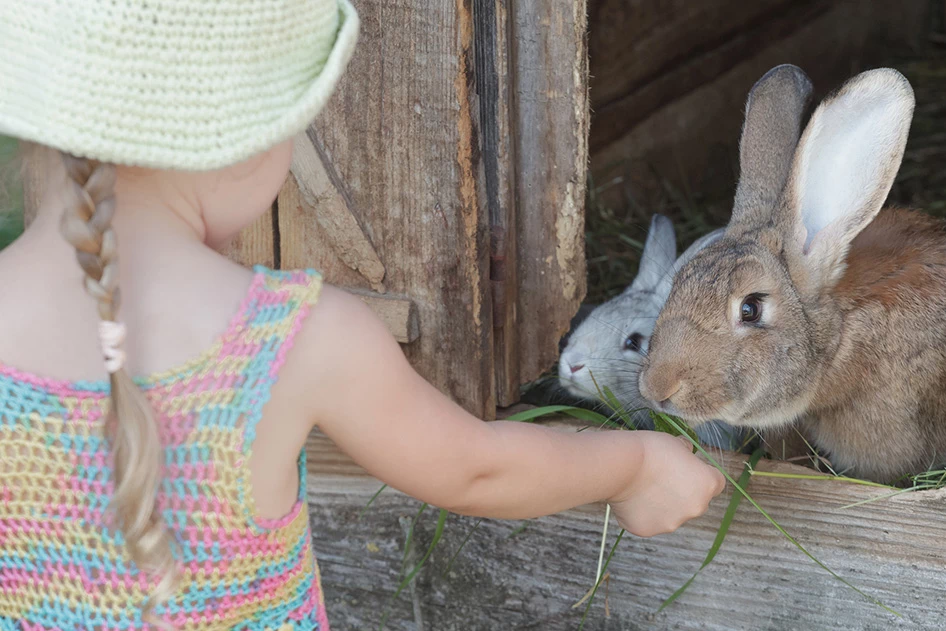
(656, 267)
(696, 247)
(843, 169)
(770, 133)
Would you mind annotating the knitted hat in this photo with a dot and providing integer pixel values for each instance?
(174, 84)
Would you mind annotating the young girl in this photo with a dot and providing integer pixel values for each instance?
(175, 499)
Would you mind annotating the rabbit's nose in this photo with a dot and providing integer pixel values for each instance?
(659, 383)
(576, 368)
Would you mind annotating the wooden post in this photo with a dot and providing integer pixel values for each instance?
(388, 199)
(497, 185)
(550, 54)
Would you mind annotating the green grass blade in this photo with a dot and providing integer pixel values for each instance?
(441, 522)
(723, 526)
(550, 410)
(878, 498)
(634, 243)
(410, 532)
(615, 405)
(818, 476)
(779, 527)
(518, 529)
(534, 413)
(589, 416)
(453, 558)
(674, 430)
(371, 501)
(598, 582)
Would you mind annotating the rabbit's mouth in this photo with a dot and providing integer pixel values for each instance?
(686, 404)
(667, 407)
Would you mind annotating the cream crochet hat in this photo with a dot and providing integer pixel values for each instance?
(175, 84)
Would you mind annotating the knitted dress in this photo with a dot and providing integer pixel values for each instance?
(64, 567)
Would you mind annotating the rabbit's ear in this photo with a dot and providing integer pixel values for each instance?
(770, 133)
(656, 268)
(843, 169)
(695, 248)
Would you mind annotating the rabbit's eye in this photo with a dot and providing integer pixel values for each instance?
(633, 342)
(751, 309)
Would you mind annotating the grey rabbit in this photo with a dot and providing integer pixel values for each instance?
(606, 348)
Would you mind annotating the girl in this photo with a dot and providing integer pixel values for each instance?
(175, 499)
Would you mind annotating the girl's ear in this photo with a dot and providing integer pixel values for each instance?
(770, 133)
(843, 169)
(656, 268)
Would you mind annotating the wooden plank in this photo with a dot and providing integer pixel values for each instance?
(325, 199)
(530, 580)
(398, 314)
(254, 245)
(303, 244)
(497, 187)
(669, 80)
(549, 49)
(399, 136)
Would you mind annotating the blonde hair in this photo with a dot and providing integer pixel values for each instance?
(136, 445)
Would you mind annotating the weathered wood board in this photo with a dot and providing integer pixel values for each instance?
(670, 79)
(550, 53)
(891, 549)
(384, 196)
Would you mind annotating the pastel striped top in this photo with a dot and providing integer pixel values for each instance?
(63, 568)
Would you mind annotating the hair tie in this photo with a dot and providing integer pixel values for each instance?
(112, 338)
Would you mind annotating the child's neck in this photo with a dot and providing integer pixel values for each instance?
(148, 219)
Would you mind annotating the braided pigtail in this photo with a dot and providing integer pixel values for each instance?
(136, 445)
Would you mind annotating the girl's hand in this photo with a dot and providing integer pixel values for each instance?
(672, 487)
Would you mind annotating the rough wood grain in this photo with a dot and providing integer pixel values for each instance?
(399, 135)
(669, 79)
(549, 49)
(325, 199)
(254, 245)
(302, 244)
(496, 186)
(891, 549)
(399, 314)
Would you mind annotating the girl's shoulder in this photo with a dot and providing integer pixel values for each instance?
(281, 295)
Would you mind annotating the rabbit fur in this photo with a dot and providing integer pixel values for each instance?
(606, 348)
(816, 308)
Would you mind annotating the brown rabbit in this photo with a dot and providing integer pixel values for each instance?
(815, 307)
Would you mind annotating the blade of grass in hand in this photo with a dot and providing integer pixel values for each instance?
(723, 526)
(580, 413)
(661, 426)
(615, 405)
(779, 527)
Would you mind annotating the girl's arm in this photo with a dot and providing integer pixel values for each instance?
(367, 398)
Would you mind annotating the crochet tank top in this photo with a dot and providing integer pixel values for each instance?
(64, 567)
